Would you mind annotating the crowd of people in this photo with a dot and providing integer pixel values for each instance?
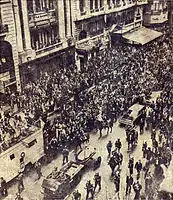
(94, 98)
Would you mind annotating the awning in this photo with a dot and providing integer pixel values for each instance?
(142, 36)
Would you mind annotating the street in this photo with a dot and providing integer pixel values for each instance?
(33, 190)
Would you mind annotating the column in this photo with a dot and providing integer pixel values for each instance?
(18, 27)
(34, 6)
(47, 3)
(87, 6)
(61, 23)
(105, 5)
(26, 25)
(68, 18)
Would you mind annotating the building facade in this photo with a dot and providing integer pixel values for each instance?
(9, 71)
(96, 20)
(156, 12)
(47, 34)
(170, 11)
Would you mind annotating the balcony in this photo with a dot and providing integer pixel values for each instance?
(9, 82)
(42, 18)
(119, 6)
(4, 1)
(3, 30)
(50, 49)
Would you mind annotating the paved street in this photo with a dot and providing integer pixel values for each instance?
(33, 190)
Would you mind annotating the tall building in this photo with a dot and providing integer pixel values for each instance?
(47, 34)
(9, 71)
(156, 12)
(46, 30)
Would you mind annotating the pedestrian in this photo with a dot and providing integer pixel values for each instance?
(109, 147)
(129, 183)
(148, 182)
(131, 165)
(65, 153)
(137, 188)
(18, 197)
(3, 188)
(118, 144)
(38, 169)
(76, 195)
(144, 149)
(112, 163)
(117, 183)
(20, 183)
(138, 167)
(89, 189)
(97, 180)
(100, 126)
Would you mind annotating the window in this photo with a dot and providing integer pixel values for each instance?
(109, 3)
(96, 4)
(12, 156)
(30, 6)
(91, 4)
(82, 5)
(37, 5)
(51, 4)
(101, 4)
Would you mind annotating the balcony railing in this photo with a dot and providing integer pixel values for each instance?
(49, 48)
(3, 29)
(9, 82)
(141, 2)
(117, 7)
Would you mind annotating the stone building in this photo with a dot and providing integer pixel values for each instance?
(9, 71)
(46, 35)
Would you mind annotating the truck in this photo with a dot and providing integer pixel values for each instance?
(15, 159)
(132, 116)
(59, 184)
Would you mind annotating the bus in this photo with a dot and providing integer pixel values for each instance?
(27, 151)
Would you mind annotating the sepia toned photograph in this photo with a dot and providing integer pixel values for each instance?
(86, 99)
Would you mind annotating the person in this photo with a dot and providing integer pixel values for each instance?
(97, 180)
(89, 189)
(100, 127)
(18, 197)
(38, 169)
(148, 181)
(109, 147)
(118, 144)
(112, 163)
(76, 195)
(129, 183)
(137, 188)
(138, 167)
(117, 182)
(131, 165)
(3, 188)
(65, 153)
(20, 183)
(144, 149)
